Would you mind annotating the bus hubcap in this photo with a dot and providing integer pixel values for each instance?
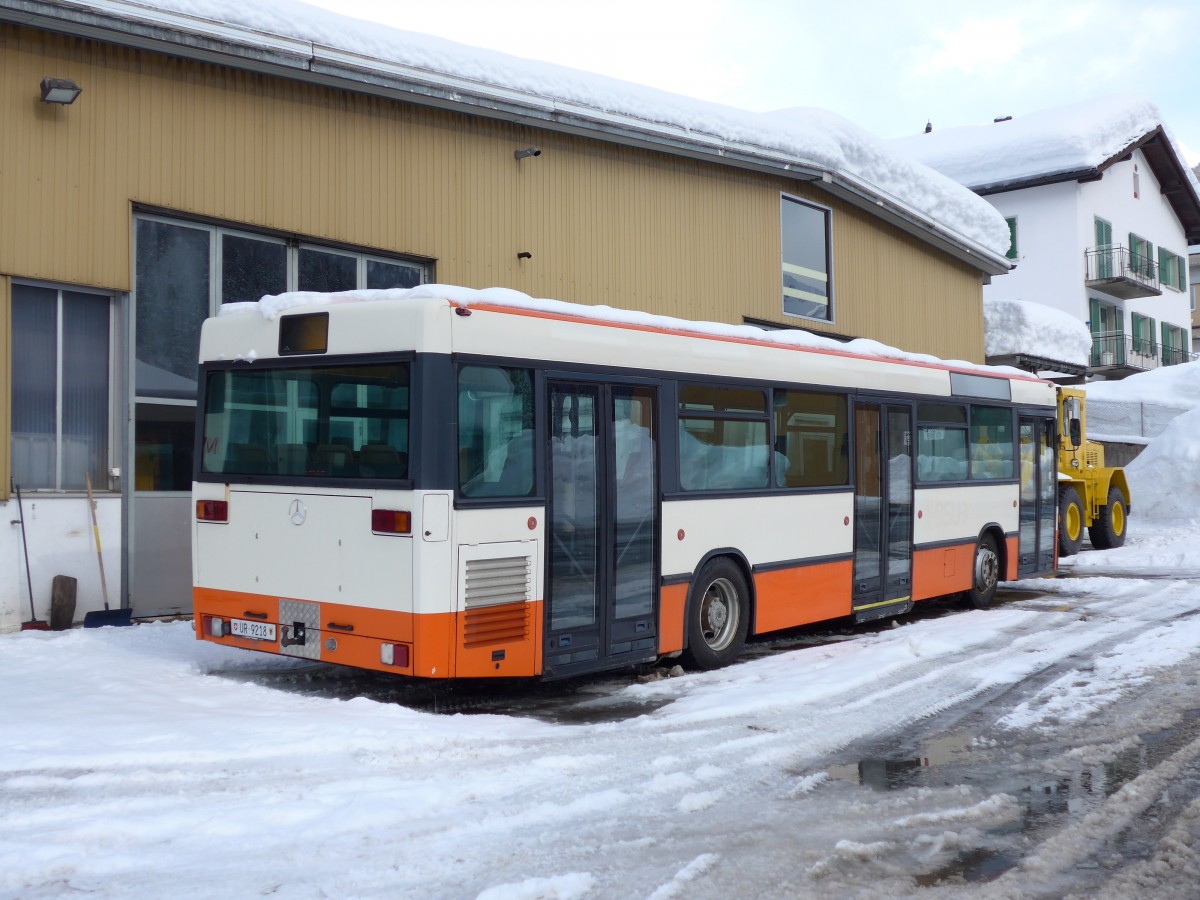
(719, 614)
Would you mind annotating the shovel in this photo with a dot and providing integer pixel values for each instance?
(99, 618)
(34, 624)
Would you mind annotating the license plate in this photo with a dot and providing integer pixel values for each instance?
(256, 631)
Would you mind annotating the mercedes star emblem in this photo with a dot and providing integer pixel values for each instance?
(297, 513)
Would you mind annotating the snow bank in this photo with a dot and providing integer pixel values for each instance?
(1049, 142)
(810, 137)
(1165, 477)
(1019, 326)
(1168, 386)
(271, 306)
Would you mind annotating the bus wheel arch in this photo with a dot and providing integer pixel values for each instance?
(988, 565)
(719, 610)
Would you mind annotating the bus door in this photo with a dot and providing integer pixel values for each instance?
(602, 554)
(1038, 525)
(883, 510)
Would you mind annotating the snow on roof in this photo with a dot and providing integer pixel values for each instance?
(271, 306)
(1056, 141)
(1020, 327)
(803, 137)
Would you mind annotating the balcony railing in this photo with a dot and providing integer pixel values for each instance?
(1116, 351)
(1122, 273)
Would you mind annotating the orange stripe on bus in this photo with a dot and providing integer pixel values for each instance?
(671, 605)
(938, 571)
(1014, 551)
(502, 641)
(790, 597)
(727, 338)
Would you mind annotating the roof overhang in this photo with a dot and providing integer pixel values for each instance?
(1161, 157)
(143, 27)
(1031, 363)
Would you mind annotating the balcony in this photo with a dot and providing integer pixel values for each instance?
(1119, 272)
(1117, 355)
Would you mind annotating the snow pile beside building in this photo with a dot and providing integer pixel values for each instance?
(1018, 326)
(1168, 386)
(806, 138)
(1073, 138)
(1165, 478)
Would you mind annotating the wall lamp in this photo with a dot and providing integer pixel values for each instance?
(60, 90)
(528, 151)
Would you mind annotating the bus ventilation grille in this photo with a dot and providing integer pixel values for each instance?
(491, 582)
(495, 600)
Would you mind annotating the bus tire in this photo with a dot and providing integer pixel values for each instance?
(985, 573)
(1108, 530)
(718, 615)
(1070, 521)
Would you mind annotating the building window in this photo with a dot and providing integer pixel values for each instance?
(1195, 293)
(1141, 256)
(1174, 345)
(805, 234)
(1012, 237)
(61, 388)
(1143, 335)
(184, 272)
(1171, 270)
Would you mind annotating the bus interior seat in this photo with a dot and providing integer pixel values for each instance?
(382, 461)
(333, 459)
(250, 459)
(292, 459)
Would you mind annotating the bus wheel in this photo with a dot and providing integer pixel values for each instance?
(1108, 530)
(718, 615)
(985, 573)
(1070, 521)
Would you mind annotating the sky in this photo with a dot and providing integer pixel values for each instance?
(889, 67)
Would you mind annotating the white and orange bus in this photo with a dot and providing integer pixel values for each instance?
(446, 483)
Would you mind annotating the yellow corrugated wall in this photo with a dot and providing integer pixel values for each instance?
(605, 224)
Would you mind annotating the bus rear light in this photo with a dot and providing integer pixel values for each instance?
(212, 510)
(391, 521)
(216, 627)
(394, 655)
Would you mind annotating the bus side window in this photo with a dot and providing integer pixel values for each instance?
(495, 432)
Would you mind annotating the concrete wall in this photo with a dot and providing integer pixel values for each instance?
(58, 530)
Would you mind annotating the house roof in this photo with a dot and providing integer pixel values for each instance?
(1069, 143)
(293, 40)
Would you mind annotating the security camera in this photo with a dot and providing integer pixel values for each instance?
(528, 151)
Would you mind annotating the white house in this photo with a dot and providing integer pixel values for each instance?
(1102, 209)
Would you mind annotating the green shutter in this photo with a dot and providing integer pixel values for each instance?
(1103, 233)
(1012, 238)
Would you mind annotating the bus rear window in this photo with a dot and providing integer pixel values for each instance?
(347, 421)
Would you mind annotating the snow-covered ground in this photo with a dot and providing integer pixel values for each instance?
(1047, 747)
(184, 772)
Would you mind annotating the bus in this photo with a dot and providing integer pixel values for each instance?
(448, 483)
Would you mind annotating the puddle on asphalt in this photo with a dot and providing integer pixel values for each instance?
(960, 758)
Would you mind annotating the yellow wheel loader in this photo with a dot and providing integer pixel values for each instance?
(1091, 495)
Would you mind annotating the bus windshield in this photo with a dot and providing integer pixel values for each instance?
(333, 421)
